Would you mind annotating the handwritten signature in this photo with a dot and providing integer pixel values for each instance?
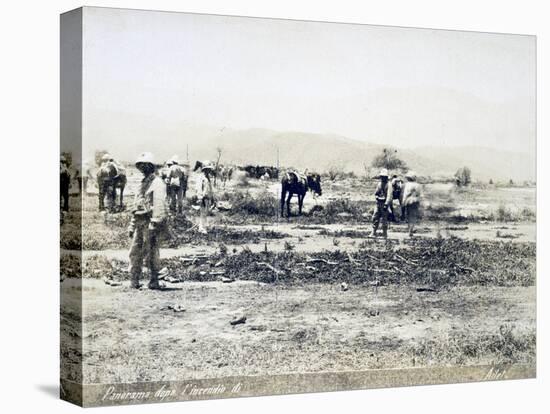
(495, 374)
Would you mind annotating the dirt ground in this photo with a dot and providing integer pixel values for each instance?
(483, 316)
(128, 336)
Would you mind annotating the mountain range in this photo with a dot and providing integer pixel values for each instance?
(322, 151)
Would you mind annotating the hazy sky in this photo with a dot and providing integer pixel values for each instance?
(403, 87)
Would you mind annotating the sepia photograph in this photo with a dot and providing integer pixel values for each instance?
(254, 206)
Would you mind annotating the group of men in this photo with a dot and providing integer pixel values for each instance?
(150, 208)
(149, 212)
(176, 177)
(68, 173)
(408, 194)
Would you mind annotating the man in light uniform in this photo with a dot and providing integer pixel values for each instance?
(164, 171)
(384, 198)
(148, 219)
(186, 172)
(412, 193)
(205, 195)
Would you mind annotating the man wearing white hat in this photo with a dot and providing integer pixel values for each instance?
(384, 198)
(148, 218)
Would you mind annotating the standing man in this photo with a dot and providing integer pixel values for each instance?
(185, 168)
(65, 182)
(148, 219)
(384, 199)
(205, 194)
(164, 172)
(411, 201)
(176, 181)
(78, 179)
(85, 175)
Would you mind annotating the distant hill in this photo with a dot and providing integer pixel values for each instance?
(321, 151)
(485, 163)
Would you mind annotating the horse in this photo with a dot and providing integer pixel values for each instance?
(251, 171)
(273, 172)
(292, 183)
(108, 180)
(259, 171)
(198, 166)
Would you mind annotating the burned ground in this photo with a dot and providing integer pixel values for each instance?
(318, 292)
(437, 263)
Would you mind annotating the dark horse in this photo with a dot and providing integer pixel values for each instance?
(293, 184)
(108, 180)
(198, 166)
(259, 171)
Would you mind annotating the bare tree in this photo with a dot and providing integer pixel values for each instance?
(219, 151)
(366, 168)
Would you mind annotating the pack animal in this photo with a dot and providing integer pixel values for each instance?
(109, 179)
(293, 183)
(259, 171)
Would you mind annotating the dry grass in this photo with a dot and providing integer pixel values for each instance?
(262, 205)
(507, 346)
(297, 329)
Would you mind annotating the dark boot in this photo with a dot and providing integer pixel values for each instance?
(154, 285)
(134, 280)
(154, 282)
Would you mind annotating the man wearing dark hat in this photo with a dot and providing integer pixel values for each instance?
(383, 196)
(65, 175)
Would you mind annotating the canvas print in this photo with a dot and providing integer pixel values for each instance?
(256, 206)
